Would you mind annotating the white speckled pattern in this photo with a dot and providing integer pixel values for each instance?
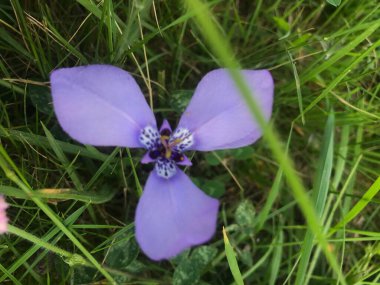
(165, 168)
(149, 137)
(186, 138)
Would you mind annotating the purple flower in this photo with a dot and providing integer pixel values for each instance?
(102, 105)
(3, 215)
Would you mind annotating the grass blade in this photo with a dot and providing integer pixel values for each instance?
(231, 258)
(54, 218)
(320, 191)
(360, 205)
(223, 50)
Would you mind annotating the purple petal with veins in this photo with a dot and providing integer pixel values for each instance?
(217, 115)
(173, 215)
(100, 105)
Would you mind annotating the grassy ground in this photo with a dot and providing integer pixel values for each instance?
(316, 222)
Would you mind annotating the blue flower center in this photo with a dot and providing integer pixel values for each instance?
(166, 148)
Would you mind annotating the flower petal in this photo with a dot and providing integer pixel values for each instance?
(3, 215)
(147, 158)
(184, 160)
(100, 105)
(165, 127)
(165, 168)
(217, 115)
(173, 215)
(149, 137)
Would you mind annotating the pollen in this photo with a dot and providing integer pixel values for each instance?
(168, 153)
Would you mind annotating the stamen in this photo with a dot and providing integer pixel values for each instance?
(168, 153)
(181, 140)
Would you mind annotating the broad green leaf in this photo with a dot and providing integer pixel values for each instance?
(189, 271)
(41, 98)
(211, 159)
(122, 253)
(242, 153)
(245, 215)
(180, 99)
(282, 24)
(214, 188)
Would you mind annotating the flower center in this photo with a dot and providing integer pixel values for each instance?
(166, 148)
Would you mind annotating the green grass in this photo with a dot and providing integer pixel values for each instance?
(300, 206)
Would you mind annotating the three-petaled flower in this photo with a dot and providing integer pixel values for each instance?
(102, 105)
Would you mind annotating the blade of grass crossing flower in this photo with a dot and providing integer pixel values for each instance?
(231, 258)
(53, 217)
(320, 191)
(63, 159)
(224, 52)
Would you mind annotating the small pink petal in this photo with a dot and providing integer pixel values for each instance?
(3, 216)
